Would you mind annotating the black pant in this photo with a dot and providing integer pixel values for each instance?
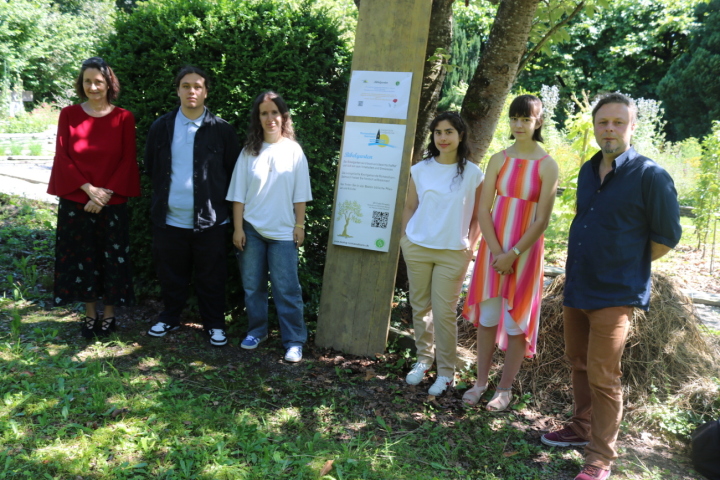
(177, 252)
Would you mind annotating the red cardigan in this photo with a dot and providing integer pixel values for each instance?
(95, 150)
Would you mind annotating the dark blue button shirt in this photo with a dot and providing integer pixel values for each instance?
(608, 262)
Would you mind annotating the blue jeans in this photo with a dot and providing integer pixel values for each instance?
(280, 257)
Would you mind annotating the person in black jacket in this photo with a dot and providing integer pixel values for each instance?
(189, 156)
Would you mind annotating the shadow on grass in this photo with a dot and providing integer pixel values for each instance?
(175, 407)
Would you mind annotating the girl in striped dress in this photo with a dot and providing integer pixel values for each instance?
(504, 296)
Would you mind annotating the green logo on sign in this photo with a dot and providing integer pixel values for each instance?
(379, 243)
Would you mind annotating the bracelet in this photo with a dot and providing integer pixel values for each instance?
(516, 250)
(297, 225)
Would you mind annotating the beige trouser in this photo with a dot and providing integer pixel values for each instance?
(436, 278)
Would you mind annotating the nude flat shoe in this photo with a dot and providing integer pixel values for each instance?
(500, 401)
(473, 395)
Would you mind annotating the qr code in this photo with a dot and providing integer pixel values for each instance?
(380, 219)
(360, 103)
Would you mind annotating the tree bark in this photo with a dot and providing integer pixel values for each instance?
(440, 36)
(496, 72)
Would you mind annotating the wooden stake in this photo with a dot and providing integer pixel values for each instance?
(358, 285)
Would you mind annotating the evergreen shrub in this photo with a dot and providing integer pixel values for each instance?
(245, 47)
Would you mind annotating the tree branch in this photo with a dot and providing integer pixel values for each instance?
(548, 34)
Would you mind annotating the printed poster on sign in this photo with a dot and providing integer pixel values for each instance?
(367, 185)
(379, 94)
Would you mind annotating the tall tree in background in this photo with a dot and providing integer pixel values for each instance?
(691, 88)
(42, 43)
(627, 48)
(439, 40)
(496, 72)
(507, 52)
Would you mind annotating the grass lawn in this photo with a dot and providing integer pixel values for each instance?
(136, 407)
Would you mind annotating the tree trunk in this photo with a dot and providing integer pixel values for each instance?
(433, 74)
(496, 72)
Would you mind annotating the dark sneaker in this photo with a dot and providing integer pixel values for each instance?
(563, 438)
(217, 337)
(591, 472)
(160, 329)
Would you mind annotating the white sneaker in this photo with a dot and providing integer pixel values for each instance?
(417, 373)
(440, 385)
(161, 328)
(217, 337)
(293, 354)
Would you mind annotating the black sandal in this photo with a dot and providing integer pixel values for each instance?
(107, 325)
(88, 327)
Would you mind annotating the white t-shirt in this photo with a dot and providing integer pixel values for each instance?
(442, 219)
(268, 184)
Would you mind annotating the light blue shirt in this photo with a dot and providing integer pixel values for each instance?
(181, 201)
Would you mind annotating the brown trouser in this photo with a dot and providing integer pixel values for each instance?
(436, 278)
(594, 343)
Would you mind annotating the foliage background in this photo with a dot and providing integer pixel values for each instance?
(691, 87)
(42, 43)
(246, 48)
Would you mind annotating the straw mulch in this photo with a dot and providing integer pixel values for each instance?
(666, 353)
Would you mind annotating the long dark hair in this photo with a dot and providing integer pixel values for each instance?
(113, 85)
(527, 106)
(463, 151)
(255, 134)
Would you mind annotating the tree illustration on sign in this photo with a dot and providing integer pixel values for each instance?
(349, 210)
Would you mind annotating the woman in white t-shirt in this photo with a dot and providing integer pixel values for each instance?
(269, 189)
(439, 232)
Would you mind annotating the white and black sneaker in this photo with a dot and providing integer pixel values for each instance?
(162, 328)
(217, 337)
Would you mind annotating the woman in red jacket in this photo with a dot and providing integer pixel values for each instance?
(94, 173)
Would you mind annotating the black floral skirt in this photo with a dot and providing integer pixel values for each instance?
(92, 255)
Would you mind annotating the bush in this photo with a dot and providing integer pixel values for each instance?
(246, 47)
(691, 87)
(37, 121)
(42, 43)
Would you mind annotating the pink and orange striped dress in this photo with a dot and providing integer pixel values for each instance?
(518, 191)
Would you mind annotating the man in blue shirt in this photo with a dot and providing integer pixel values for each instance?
(627, 216)
(190, 155)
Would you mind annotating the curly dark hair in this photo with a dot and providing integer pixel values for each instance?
(463, 151)
(255, 133)
(527, 106)
(110, 79)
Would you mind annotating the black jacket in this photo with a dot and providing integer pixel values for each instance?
(215, 152)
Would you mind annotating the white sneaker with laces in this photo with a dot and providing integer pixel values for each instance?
(161, 328)
(217, 337)
(293, 354)
(440, 385)
(417, 373)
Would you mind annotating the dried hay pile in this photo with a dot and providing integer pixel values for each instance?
(666, 352)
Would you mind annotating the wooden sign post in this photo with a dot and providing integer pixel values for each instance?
(358, 284)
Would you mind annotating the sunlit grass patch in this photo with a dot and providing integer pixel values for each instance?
(131, 407)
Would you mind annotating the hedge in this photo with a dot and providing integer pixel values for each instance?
(246, 47)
